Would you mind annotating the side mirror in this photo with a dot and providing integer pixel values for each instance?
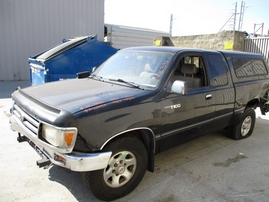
(81, 75)
(179, 87)
(93, 69)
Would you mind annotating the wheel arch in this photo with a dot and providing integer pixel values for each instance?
(236, 118)
(146, 135)
(252, 103)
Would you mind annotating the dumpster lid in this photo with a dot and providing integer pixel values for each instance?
(71, 43)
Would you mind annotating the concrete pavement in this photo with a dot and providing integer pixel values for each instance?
(210, 168)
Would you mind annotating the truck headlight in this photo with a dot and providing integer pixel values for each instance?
(59, 137)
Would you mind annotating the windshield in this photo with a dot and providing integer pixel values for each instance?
(141, 68)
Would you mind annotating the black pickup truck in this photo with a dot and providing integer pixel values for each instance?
(139, 102)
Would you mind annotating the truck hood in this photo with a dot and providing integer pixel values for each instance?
(75, 95)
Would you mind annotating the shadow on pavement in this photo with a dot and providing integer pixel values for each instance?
(73, 182)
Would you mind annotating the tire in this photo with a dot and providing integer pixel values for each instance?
(245, 128)
(125, 170)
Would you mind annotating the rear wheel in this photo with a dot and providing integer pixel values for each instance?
(123, 173)
(245, 127)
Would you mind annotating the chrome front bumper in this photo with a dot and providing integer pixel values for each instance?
(75, 161)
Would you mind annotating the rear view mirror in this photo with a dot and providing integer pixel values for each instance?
(179, 87)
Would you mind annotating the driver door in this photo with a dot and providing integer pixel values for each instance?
(186, 116)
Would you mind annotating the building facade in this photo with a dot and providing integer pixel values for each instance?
(29, 27)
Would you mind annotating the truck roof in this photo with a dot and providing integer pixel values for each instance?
(173, 49)
(241, 54)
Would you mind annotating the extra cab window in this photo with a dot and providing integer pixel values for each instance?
(244, 67)
(218, 70)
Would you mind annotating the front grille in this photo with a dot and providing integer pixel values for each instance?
(30, 123)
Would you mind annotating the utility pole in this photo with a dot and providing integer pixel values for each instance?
(257, 29)
(235, 13)
(241, 16)
(171, 25)
(232, 18)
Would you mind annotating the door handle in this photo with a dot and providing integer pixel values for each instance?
(208, 96)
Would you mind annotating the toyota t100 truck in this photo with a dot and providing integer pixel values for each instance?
(139, 102)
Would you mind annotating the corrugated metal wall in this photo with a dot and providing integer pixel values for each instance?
(258, 45)
(28, 27)
(121, 36)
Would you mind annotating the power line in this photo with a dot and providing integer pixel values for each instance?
(226, 22)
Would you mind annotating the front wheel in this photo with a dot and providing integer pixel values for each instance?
(123, 173)
(245, 127)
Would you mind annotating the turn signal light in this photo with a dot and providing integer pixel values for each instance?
(69, 138)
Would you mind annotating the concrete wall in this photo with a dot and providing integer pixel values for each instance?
(225, 40)
(28, 27)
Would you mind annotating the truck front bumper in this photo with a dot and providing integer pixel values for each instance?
(75, 161)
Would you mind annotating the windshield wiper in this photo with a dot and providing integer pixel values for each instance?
(127, 82)
(96, 77)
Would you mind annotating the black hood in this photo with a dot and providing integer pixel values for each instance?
(75, 95)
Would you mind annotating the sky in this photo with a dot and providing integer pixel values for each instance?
(190, 17)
